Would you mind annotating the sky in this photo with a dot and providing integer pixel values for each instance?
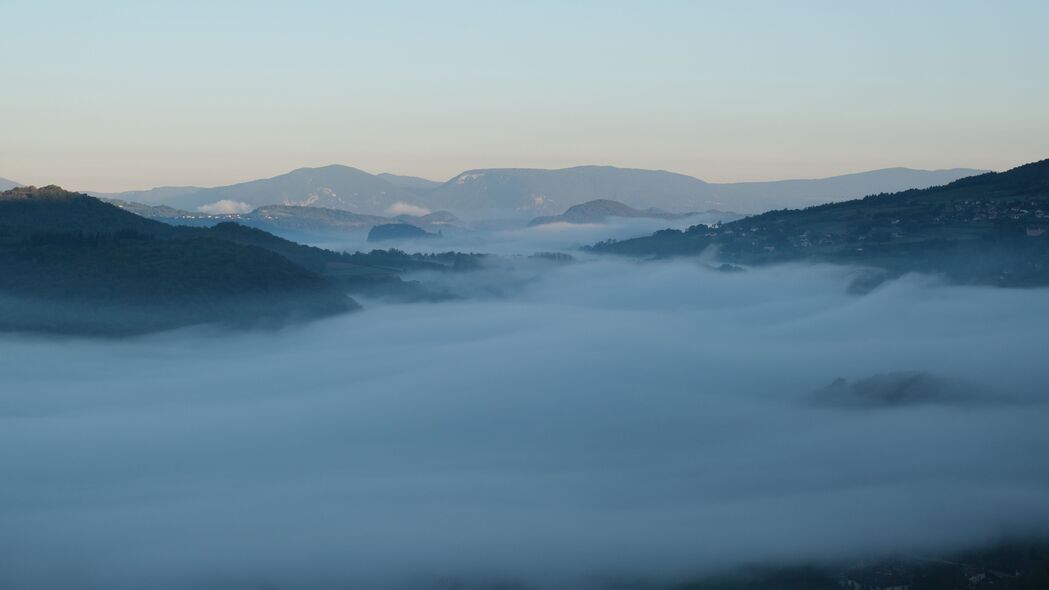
(114, 95)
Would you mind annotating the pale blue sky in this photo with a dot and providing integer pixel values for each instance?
(116, 95)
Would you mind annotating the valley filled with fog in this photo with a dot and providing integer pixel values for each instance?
(513, 239)
(556, 425)
(328, 295)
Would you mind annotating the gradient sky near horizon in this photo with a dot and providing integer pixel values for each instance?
(119, 95)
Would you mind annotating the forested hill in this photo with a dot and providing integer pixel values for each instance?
(70, 263)
(989, 229)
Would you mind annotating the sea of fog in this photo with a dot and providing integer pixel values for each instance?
(515, 240)
(591, 422)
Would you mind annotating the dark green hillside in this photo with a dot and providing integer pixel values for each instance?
(376, 273)
(129, 268)
(988, 229)
(71, 263)
(52, 209)
(310, 257)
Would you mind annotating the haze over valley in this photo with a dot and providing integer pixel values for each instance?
(524, 296)
(453, 411)
(516, 192)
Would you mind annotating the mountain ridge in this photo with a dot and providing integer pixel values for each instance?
(411, 183)
(991, 228)
(530, 192)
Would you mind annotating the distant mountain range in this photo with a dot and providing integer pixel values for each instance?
(600, 210)
(526, 193)
(6, 184)
(524, 190)
(987, 229)
(410, 183)
(332, 187)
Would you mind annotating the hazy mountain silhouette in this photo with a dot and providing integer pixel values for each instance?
(518, 190)
(410, 183)
(334, 187)
(6, 184)
(525, 192)
(161, 195)
(599, 210)
(803, 193)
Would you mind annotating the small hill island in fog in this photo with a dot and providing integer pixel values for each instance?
(397, 231)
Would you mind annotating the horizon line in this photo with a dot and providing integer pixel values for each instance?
(502, 168)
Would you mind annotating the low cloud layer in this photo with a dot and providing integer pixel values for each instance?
(609, 418)
(520, 240)
(225, 207)
(400, 208)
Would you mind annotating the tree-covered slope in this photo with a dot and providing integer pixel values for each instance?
(71, 263)
(992, 228)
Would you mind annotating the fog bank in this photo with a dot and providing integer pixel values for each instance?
(514, 240)
(609, 418)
